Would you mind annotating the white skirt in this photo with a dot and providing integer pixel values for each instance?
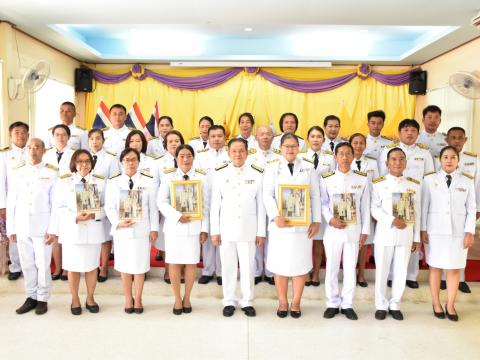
(446, 252)
(289, 253)
(160, 242)
(132, 256)
(182, 249)
(80, 257)
(321, 231)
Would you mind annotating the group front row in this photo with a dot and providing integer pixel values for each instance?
(241, 207)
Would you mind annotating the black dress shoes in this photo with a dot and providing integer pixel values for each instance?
(380, 314)
(396, 314)
(362, 283)
(282, 313)
(75, 310)
(167, 280)
(438, 315)
(295, 313)
(228, 310)
(443, 285)
(349, 313)
(140, 310)
(129, 310)
(41, 307)
(14, 275)
(101, 278)
(464, 288)
(64, 277)
(270, 280)
(412, 284)
(56, 276)
(219, 280)
(451, 317)
(249, 311)
(187, 310)
(258, 279)
(205, 279)
(111, 257)
(92, 308)
(330, 313)
(389, 283)
(177, 311)
(28, 305)
(315, 283)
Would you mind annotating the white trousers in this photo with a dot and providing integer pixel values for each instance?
(212, 264)
(397, 259)
(261, 259)
(14, 258)
(35, 258)
(336, 251)
(413, 266)
(234, 254)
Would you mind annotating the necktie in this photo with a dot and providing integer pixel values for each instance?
(83, 180)
(449, 180)
(204, 144)
(175, 163)
(94, 160)
(332, 145)
(290, 166)
(359, 164)
(130, 184)
(59, 156)
(185, 177)
(315, 160)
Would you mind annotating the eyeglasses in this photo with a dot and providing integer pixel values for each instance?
(132, 160)
(290, 147)
(83, 162)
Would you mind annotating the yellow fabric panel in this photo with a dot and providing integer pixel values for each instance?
(266, 101)
(309, 74)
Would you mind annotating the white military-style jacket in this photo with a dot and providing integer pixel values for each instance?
(251, 141)
(350, 194)
(50, 157)
(10, 157)
(30, 199)
(106, 163)
(435, 141)
(261, 157)
(65, 211)
(160, 165)
(368, 165)
(448, 210)
(391, 191)
(210, 159)
(326, 162)
(277, 173)
(419, 160)
(155, 147)
(237, 212)
(375, 145)
(78, 138)
(149, 221)
(336, 141)
(171, 215)
(115, 139)
(278, 138)
(197, 143)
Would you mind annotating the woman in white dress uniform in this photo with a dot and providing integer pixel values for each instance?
(81, 234)
(105, 163)
(290, 247)
(132, 238)
(368, 165)
(448, 226)
(155, 146)
(182, 235)
(322, 162)
(136, 140)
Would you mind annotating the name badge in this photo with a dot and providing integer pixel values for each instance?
(469, 164)
(461, 189)
(44, 178)
(419, 159)
(354, 187)
(249, 181)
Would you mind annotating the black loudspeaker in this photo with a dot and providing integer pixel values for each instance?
(418, 83)
(83, 80)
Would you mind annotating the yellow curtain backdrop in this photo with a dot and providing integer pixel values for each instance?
(266, 101)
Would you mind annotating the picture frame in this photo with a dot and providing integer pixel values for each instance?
(294, 204)
(87, 198)
(130, 207)
(403, 206)
(344, 207)
(186, 197)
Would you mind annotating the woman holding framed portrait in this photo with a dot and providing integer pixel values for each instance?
(292, 200)
(183, 199)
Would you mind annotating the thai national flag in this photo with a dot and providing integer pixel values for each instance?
(135, 120)
(152, 124)
(102, 118)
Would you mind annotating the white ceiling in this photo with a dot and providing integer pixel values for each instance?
(33, 17)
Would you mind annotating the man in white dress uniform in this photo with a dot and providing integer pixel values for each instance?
(116, 136)
(78, 136)
(288, 123)
(29, 207)
(375, 141)
(435, 140)
(10, 157)
(246, 123)
(238, 224)
(331, 126)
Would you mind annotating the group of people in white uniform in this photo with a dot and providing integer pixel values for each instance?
(421, 188)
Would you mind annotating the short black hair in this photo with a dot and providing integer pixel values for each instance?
(395, 149)
(18, 124)
(315, 128)
(69, 103)
(217, 127)
(173, 132)
(448, 147)
(456, 128)
(127, 151)
(170, 120)
(75, 155)
(287, 136)
(280, 122)
(376, 113)
(409, 122)
(357, 135)
(206, 118)
(93, 131)
(249, 116)
(432, 109)
(239, 140)
(343, 144)
(142, 137)
(118, 106)
(184, 147)
(61, 126)
(330, 117)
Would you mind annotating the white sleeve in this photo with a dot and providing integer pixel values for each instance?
(261, 213)
(417, 209)
(429, 167)
(153, 208)
(269, 193)
(376, 207)
(206, 205)
(3, 182)
(471, 208)
(365, 209)
(111, 202)
(425, 196)
(325, 200)
(315, 202)
(164, 202)
(216, 199)
(382, 166)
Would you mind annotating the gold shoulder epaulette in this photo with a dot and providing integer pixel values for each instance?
(390, 146)
(307, 160)
(277, 151)
(429, 173)
(328, 174)
(413, 180)
(328, 152)
(50, 129)
(444, 134)
(273, 160)
(378, 179)
(51, 167)
(202, 150)
(105, 128)
(74, 148)
(468, 175)
(258, 168)
(386, 137)
(252, 151)
(19, 165)
(303, 151)
(200, 171)
(50, 148)
(131, 128)
(221, 167)
(146, 174)
(151, 156)
(65, 176)
(423, 146)
(360, 172)
(370, 157)
(98, 176)
(114, 176)
(195, 138)
(111, 153)
(5, 148)
(168, 171)
(153, 138)
(469, 153)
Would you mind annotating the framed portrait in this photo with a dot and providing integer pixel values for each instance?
(344, 207)
(402, 206)
(186, 197)
(294, 204)
(130, 207)
(88, 198)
